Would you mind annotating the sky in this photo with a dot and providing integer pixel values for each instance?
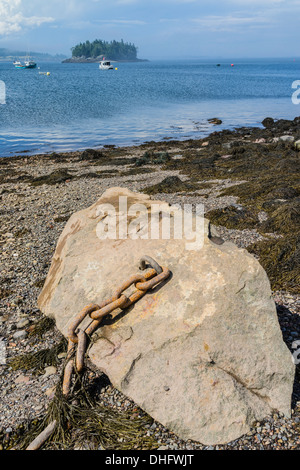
(161, 29)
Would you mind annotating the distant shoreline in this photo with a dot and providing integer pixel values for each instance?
(80, 60)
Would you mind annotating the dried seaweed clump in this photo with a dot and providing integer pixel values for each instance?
(5, 292)
(37, 361)
(56, 177)
(153, 158)
(84, 423)
(42, 326)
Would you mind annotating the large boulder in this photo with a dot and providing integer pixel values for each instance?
(203, 354)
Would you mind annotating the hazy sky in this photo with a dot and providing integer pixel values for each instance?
(160, 28)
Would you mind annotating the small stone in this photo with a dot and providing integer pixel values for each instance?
(287, 138)
(21, 334)
(22, 323)
(51, 370)
(62, 355)
(22, 379)
(50, 392)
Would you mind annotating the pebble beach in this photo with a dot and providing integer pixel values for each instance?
(39, 193)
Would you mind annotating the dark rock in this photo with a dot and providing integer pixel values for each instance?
(90, 154)
(215, 121)
(268, 122)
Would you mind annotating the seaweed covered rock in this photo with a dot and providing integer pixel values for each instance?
(152, 158)
(281, 260)
(202, 354)
(90, 154)
(170, 184)
(268, 122)
(285, 219)
(56, 177)
(233, 217)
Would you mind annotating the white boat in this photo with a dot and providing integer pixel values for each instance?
(29, 63)
(105, 65)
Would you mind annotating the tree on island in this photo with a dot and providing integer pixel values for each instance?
(114, 50)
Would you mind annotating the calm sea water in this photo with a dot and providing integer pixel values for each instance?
(80, 106)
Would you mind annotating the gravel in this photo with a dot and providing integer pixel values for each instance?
(32, 218)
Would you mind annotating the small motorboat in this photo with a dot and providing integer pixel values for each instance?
(105, 65)
(28, 64)
(19, 64)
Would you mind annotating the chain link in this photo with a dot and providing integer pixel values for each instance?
(78, 338)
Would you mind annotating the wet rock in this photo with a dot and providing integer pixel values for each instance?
(287, 138)
(51, 370)
(215, 121)
(268, 122)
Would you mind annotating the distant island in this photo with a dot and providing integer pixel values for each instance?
(95, 51)
(8, 55)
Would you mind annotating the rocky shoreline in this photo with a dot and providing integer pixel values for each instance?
(248, 181)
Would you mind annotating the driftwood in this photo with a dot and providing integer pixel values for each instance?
(41, 438)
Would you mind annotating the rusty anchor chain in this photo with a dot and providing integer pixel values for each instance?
(76, 336)
(78, 339)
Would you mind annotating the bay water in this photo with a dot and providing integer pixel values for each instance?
(79, 106)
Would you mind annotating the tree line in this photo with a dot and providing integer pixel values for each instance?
(114, 50)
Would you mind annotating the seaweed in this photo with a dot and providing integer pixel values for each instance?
(281, 260)
(20, 233)
(171, 184)
(38, 360)
(136, 171)
(5, 292)
(82, 421)
(233, 217)
(153, 158)
(284, 220)
(42, 326)
(56, 177)
(90, 155)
